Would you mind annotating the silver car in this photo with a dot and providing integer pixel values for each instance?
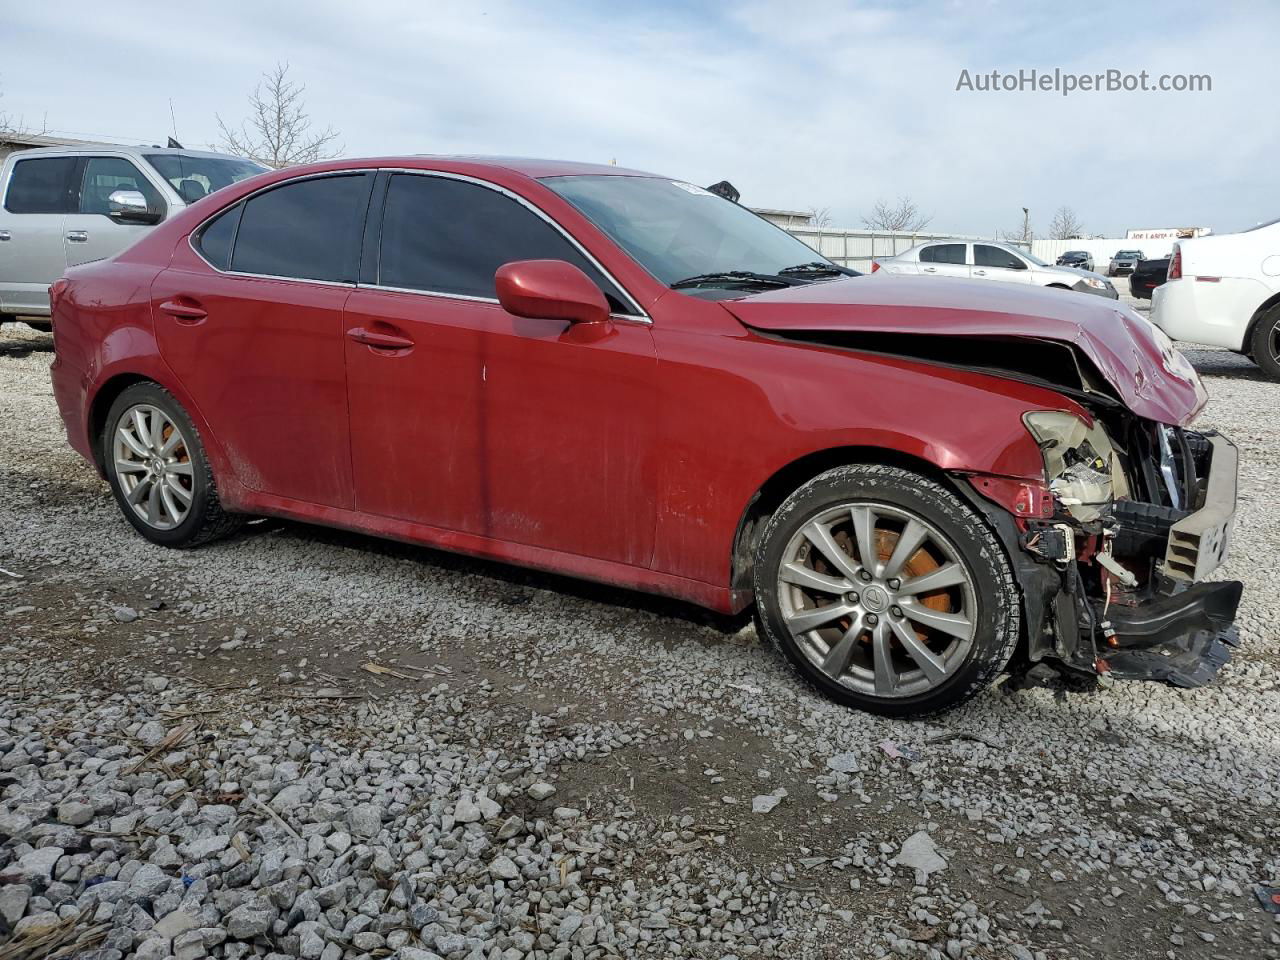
(1125, 261)
(65, 206)
(991, 260)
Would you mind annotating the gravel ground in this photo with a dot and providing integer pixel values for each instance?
(307, 743)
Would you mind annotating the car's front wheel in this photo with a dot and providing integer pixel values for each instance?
(158, 470)
(886, 591)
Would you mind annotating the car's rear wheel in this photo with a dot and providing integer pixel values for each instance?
(1264, 345)
(886, 591)
(158, 470)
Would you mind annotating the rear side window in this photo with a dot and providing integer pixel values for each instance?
(449, 236)
(943, 253)
(985, 256)
(217, 236)
(308, 230)
(103, 176)
(42, 185)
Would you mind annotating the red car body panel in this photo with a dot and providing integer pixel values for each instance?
(626, 452)
(1119, 342)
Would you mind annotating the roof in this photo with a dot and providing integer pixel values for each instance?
(135, 149)
(39, 140)
(771, 212)
(536, 167)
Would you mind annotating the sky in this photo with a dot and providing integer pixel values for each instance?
(800, 106)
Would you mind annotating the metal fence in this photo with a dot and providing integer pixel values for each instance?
(857, 248)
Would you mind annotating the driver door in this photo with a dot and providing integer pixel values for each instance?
(465, 417)
(88, 231)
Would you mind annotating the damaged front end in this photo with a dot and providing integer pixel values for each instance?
(1112, 550)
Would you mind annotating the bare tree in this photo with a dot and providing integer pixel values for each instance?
(1065, 225)
(901, 217)
(1024, 234)
(820, 217)
(278, 130)
(12, 127)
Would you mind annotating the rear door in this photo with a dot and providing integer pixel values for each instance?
(944, 260)
(996, 263)
(533, 432)
(253, 329)
(89, 232)
(39, 193)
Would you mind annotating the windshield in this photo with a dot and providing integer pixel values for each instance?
(676, 230)
(194, 176)
(1128, 255)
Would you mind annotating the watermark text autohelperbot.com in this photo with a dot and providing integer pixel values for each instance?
(1066, 83)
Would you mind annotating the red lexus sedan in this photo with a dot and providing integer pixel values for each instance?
(624, 377)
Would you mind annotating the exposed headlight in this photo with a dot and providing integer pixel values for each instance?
(1080, 464)
(1096, 283)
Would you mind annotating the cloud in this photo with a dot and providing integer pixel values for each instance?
(832, 106)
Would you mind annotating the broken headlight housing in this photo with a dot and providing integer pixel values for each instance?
(1080, 464)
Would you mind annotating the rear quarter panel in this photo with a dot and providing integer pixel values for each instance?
(104, 336)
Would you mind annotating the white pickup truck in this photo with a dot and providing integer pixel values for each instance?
(64, 206)
(1224, 290)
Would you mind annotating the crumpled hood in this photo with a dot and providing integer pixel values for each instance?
(1151, 378)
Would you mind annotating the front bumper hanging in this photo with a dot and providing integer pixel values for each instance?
(1177, 628)
(1183, 639)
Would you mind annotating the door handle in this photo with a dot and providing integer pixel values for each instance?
(78, 236)
(4, 235)
(184, 312)
(379, 341)
(930, 269)
(979, 273)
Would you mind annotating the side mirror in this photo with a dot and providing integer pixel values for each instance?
(550, 290)
(130, 206)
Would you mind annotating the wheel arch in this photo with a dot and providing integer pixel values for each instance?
(1263, 309)
(121, 379)
(100, 406)
(787, 479)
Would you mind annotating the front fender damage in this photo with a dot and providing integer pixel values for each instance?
(1121, 598)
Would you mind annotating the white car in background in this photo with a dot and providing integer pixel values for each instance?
(1224, 290)
(991, 260)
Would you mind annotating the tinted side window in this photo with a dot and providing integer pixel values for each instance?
(448, 236)
(985, 256)
(42, 185)
(943, 253)
(103, 176)
(216, 238)
(309, 230)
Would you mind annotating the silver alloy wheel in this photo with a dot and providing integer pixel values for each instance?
(878, 599)
(153, 466)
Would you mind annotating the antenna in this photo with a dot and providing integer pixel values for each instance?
(172, 120)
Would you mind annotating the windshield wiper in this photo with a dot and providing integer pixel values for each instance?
(734, 276)
(820, 268)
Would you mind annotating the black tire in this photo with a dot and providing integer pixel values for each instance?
(1264, 344)
(44, 326)
(205, 519)
(996, 624)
